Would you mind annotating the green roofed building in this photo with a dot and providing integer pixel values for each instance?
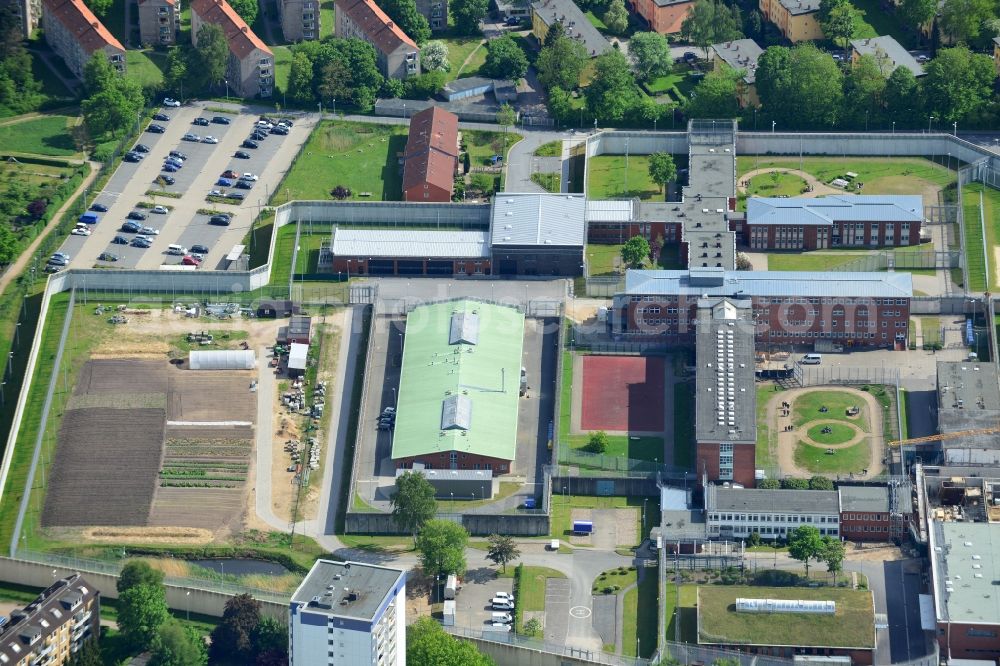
(459, 387)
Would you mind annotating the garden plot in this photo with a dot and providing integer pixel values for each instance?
(122, 376)
(211, 397)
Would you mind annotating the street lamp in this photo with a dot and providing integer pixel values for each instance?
(893, 126)
(187, 595)
(929, 120)
(954, 126)
(227, 90)
(773, 123)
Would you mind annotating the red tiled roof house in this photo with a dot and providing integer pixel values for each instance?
(431, 156)
(74, 33)
(398, 56)
(250, 70)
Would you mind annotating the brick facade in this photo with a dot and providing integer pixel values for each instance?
(969, 641)
(396, 266)
(819, 237)
(866, 526)
(461, 461)
(707, 462)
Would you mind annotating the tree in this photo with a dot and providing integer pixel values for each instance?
(427, 644)
(837, 18)
(598, 442)
(8, 245)
(958, 83)
(662, 169)
(37, 208)
(743, 262)
(346, 70)
(413, 504)
(556, 32)
(113, 109)
(271, 641)
(561, 63)
(611, 93)
(795, 484)
(650, 55)
(300, 79)
(441, 544)
(340, 192)
(963, 20)
(142, 609)
(434, 57)
(716, 95)
(800, 87)
(533, 627)
(820, 483)
(98, 74)
(100, 7)
(424, 86)
(805, 544)
(210, 56)
(710, 22)
(502, 550)
(176, 645)
(247, 9)
(233, 638)
(833, 553)
(754, 540)
(138, 572)
(916, 13)
(404, 13)
(176, 74)
(902, 98)
(616, 18)
(635, 251)
(864, 91)
(505, 59)
(88, 655)
(468, 14)
(769, 484)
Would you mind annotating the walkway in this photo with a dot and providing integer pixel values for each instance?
(817, 189)
(15, 269)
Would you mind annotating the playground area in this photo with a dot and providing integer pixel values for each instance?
(830, 431)
(621, 394)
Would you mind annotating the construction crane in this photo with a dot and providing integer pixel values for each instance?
(943, 435)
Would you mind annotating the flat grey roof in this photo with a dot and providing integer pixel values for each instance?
(575, 21)
(410, 243)
(718, 498)
(328, 583)
(874, 499)
(968, 399)
(965, 561)
(836, 208)
(539, 219)
(764, 283)
(796, 7)
(740, 54)
(610, 210)
(893, 50)
(725, 397)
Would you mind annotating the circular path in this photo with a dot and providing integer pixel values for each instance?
(803, 434)
(818, 189)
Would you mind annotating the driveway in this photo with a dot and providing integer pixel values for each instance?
(521, 161)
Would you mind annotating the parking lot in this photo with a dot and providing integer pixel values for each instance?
(472, 603)
(205, 162)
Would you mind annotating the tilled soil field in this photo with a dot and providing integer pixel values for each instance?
(211, 396)
(122, 376)
(105, 470)
(203, 433)
(209, 508)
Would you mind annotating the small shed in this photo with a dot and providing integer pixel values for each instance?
(272, 309)
(448, 613)
(297, 355)
(220, 359)
(298, 330)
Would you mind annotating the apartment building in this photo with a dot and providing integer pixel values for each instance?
(789, 307)
(889, 53)
(876, 513)
(75, 34)
(159, 22)
(29, 13)
(741, 55)
(546, 13)
(299, 19)
(798, 20)
(436, 13)
(52, 628)
(663, 16)
(431, 156)
(843, 220)
(736, 513)
(250, 69)
(348, 613)
(397, 55)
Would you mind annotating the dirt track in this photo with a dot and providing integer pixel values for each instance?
(818, 189)
(787, 440)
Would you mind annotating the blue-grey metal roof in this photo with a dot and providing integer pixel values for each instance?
(610, 210)
(575, 21)
(836, 208)
(464, 328)
(410, 243)
(539, 219)
(740, 54)
(893, 50)
(796, 7)
(894, 284)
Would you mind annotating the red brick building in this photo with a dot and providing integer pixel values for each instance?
(431, 156)
(875, 513)
(789, 308)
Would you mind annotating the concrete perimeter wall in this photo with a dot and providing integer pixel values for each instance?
(476, 524)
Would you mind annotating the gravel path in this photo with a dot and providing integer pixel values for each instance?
(818, 188)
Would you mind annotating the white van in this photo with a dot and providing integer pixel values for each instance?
(177, 249)
(502, 617)
(812, 359)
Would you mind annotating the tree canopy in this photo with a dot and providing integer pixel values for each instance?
(138, 572)
(441, 544)
(650, 55)
(635, 252)
(505, 59)
(405, 14)
(247, 9)
(427, 644)
(616, 18)
(209, 58)
(468, 14)
(964, 20)
(413, 504)
(805, 544)
(176, 645)
(434, 57)
(837, 18)
(710, 22)
(612, 92)
(233, 638)
(915, 13)
(958, 82)
(662, 169)
(561, 62)
(716, 96)
(800, 87)
(502, 550)
(142, 609)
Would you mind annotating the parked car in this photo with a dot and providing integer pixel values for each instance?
(62, 255)
(174, 161)
(53, 268)
(241, 155)
(161, 116)
(144, 237)
(140, 148)
(141, 242)
(280, 130)
(221, 120)
(170, 102)
(188, 260)
(690, 56)
(149, 231)
(216, 193)
(199, 249)
(499, 626)
(178, 154)
(156, 129)
(169, 180)
(244, 185)
(81, 231)
(236, 196)
(504, 595)
(99, 208)
(131, 157)
(201, 122)
(58, 261)
(221, 220)
(170, 168)
(512, 21)
(501, 605)
(107, 256)
(191, 137)
(229, 173)
(923, 57)
(249, 176)
(131, 227)
(258, 136)
(224, 182)
(249, 143)
(210, 139)
(160, 210)
(136, 215)
(119, 240)
(265, 124)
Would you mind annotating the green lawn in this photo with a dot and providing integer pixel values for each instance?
(531, 586)
(831, 433)
(930, 328)
(764, 454)
(774, 184)
(459, 49)
(308, 255)
(620, 578)
(991, 217)
(327, 18)
(472, 66)
(607, 178)
(851, 626)
(47, 135)
(678, 83)
(806, 408)
(819, 260)
(550, 149)
(562, 505)
(639, 624)
(550, 181)
(283, 65)
(143, 68)
(360, 156)
(685, 612)
(841, 461)
(874, 20)
(604, 259)
(483, 145)
(683, 425)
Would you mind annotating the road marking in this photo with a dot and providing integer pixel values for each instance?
(580, 612)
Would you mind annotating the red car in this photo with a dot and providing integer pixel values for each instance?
(188, 260)
(230, 174)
